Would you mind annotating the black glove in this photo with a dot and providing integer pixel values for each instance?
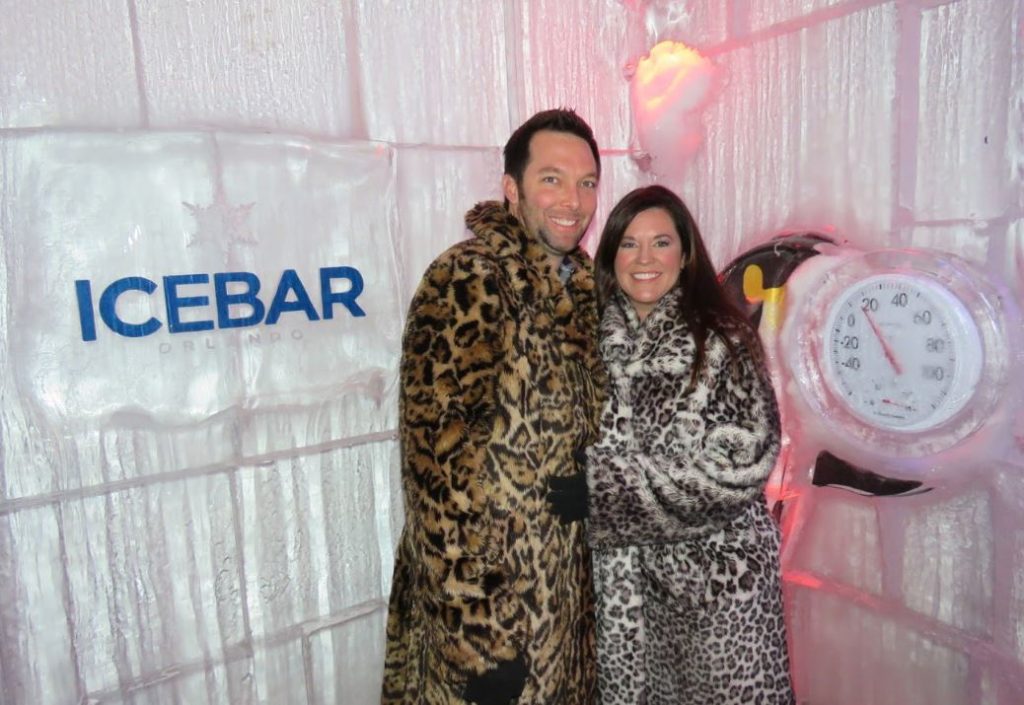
(499, 685)
(567, 495)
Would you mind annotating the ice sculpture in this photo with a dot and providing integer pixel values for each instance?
(164, 281)
(200, 338)
(668, 90)
(895, 570)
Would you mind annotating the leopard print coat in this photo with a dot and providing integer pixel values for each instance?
(501, 382)
(685, 552)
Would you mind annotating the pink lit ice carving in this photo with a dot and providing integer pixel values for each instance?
(670, 87)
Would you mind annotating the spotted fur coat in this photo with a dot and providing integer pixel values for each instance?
(685, 552)
(501, 382)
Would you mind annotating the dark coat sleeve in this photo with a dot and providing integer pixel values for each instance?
(667, 493)
(455, 506)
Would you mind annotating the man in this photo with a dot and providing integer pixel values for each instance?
(501, 383)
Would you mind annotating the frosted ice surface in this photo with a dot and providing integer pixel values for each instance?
(35, 648)
(70, 220)
(436, 187)
(822, 126)
(287, 66)
(437, 74)
(102, 207)
(1015, 122)
(387, 492)
(198, 685)
(1016, 600)
(348, 660)
(854, 656)
(996, 689)
(988, 694)
(840, 540)
(845, 175)
(1013, 261)
(765, 14)
(66, 63)
(279, 673)
(968, 241)
(154, 579)
(311, 533)
(697, 23)
(964, 96)
(573, 54)
(948, 562)
(335, 207)
(92, 457)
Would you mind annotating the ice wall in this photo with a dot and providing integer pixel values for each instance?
(214, 523)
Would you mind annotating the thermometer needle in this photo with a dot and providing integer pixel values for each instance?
(881, 339)
(896, 403)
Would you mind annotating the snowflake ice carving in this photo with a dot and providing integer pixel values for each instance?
(221, 220)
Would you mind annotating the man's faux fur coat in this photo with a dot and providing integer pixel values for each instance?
(501, 383)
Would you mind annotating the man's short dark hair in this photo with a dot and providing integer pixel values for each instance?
(517, 149)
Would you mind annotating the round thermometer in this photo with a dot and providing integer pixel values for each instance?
(903, 351)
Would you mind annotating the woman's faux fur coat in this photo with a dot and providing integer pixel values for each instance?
(685, 552)
(501, 382)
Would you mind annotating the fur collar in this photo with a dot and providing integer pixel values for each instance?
(661, 343)
(625, 338)
(569, 310)
(500, 231)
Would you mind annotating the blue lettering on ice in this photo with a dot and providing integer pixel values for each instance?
(345, 298)
(248, 297)
(290, 282)
(290, 296)
(108, 307)
(175, 303)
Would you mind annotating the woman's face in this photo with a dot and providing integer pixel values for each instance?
(649, 259)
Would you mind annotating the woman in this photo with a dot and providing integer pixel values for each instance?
(686, 554)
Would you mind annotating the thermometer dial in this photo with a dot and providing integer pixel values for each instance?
(902, 352)
(899, 353)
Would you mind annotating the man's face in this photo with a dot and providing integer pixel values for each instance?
(558, 195)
